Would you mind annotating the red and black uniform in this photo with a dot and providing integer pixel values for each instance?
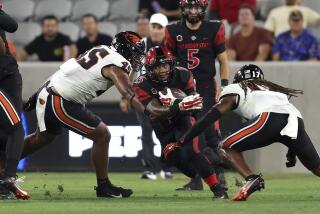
(189, 158)
(197, 50)
(11, 129)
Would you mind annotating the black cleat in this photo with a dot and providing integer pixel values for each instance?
(256, 183)
(111, 191)
(194, 184)
(11, 184)
(219, 192)
(5, 194)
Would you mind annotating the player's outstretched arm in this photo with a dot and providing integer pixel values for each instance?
(121, 80)
(224, 105)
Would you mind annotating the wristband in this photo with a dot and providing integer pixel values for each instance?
(224, 82)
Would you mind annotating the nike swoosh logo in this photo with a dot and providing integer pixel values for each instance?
(116, 196)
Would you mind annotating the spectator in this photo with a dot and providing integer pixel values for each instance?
(51, 45)
(277, 20)
(169, 8)
(93, 37)
(252, 43)
(222, 9)
(297, 43)
(142, 25)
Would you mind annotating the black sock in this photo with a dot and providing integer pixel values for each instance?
(251, 177)
(11, 167)
(103, 182)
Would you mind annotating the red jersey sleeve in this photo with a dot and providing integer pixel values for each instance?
(169, 41)
(142, 95)
(220, 36)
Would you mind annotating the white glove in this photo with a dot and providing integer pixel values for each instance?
(167, 99)
(192, 102)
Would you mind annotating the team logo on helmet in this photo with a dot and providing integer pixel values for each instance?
(248, 72)
(155, 57)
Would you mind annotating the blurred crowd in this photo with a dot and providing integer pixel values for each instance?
(256, 30)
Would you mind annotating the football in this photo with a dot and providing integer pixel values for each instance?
(176, 92)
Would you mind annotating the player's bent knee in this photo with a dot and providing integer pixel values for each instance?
(100, 134)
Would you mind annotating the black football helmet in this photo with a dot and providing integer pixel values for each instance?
(248, 72)
(130, 46)
(187, 4)
(156, 56)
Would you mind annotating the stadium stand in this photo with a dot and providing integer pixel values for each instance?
(127, 25)
(60, 8)
(25, 33)
(314, 4)
(21, 10)
(267, 5)
(71, 29)
(124, 10)
(108, 28)
(99, 8)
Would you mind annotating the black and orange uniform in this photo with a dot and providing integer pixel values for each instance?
(196, 50)
(189, 159)
(10, 101)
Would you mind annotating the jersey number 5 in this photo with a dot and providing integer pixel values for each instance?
(90, 58)
(193, 61)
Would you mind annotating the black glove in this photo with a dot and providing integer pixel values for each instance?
(291, 158)
(31, 103)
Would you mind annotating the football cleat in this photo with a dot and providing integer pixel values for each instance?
(11, 184)
(252, 185)
(166, 174)
(111, 191)
(148, 175)
(194, 184)
(219, 192)
(5, 194)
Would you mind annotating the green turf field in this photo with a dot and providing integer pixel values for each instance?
(73, 193)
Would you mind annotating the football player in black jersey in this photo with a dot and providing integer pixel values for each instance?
(170, 117)
(10, 108)
(197, 43)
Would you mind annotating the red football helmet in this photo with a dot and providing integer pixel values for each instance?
(187, 4)
(156, 57)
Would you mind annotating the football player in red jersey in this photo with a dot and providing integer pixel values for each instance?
(197, 43)
(170, 117)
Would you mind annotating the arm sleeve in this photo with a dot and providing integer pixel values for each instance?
(141, 94)
(233, 90)
(7, 23)
(190, 85)
(219, 40)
